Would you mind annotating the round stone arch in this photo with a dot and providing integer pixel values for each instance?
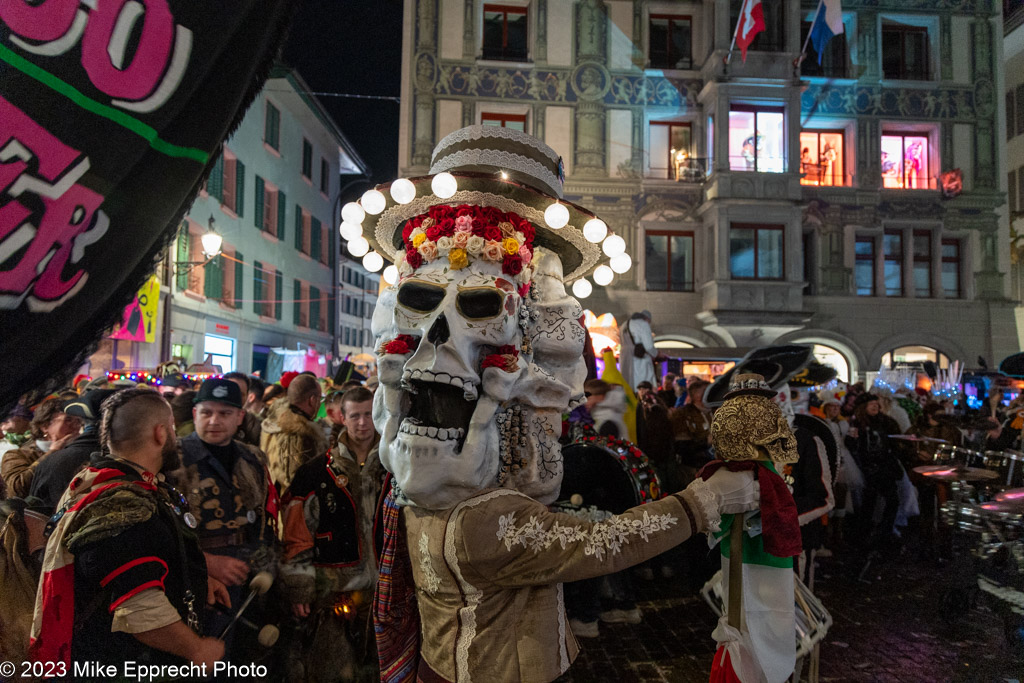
(941, 344)
(845, 346)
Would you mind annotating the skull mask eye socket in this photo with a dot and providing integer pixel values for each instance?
(419, 296)
(480, 303)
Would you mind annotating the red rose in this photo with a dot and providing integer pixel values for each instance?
(465, 210)
(438, 212)
(524, 290)
(526, 228)
(505, 359)
(493, 233)
(433, 233)
(512, 265)
(400, 345)
(446, 226)
(479, 229)
(508, 350)
(413, 258)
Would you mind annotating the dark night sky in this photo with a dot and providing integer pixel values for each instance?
(354, 46)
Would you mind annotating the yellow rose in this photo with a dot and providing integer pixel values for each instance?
(457, 259)
(511, 246)
(418, 240)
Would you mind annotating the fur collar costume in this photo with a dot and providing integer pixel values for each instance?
(290, 439)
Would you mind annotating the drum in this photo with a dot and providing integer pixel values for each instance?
(949, 454)
(1008, 464)
(608, 473)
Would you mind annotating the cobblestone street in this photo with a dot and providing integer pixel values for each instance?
(891, 629)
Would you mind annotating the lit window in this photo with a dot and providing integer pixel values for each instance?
(756, 251)
(915, 355)
(951, 269)
(272, 127)
(668, 261)
(904, 51)
(670, 151)
(905, 161)
(670, 42)
(513, 121)
(222, 351)
(864, 266)
(892, 250)
(307, 159)
(822, 158)
(757, 139)
(504, 32)
(922, 263)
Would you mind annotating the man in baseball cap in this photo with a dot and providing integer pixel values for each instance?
(229, 493)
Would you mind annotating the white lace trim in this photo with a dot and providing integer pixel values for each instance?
(395, 216)
(563, 650)
(467, 613)
(480, 132)
(599, 540)
(427, 566)
(500, 159)
(708, 502)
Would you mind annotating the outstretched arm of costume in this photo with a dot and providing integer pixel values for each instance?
(515, 541)
(300, 516)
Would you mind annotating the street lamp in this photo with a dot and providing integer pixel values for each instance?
(211, 239)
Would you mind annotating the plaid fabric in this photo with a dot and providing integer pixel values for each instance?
(396, 617)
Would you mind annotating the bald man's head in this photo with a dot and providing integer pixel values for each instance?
(304, 394)
(130, 422)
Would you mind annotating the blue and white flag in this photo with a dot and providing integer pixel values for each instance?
(827, 23)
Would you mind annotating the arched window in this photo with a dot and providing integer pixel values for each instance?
(915, 355)
(826, 355)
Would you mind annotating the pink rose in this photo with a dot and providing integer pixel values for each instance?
(428, 250)
(464, 223)
(525, 254)
(461, 239)
(492, 251)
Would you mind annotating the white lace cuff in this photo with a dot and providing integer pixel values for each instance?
(708, 502)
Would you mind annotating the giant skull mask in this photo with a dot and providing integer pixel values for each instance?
(451, 426)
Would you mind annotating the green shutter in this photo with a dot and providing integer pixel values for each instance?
(314, 239)
(215, 181)
(298, 228)
(314, 308)
(278, 289)
(239, 187)
(182, 257)
(257, 287)
(213, 280)
(297, 306)
(281, 214)
(239, 278)
(258, 209)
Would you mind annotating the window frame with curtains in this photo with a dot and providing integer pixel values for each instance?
(930, 161)
(902, 72)
(817, 166)
(272, 126)
(502, 119)
(670, 236)
(307, 159)
(325, 176)
(865, 259)
(835, 63)
(757, 110)
(667, 58)
(503, 52)
(757, 229)
(668, 171)
(895, 260)
(921, 262)
(957, 270)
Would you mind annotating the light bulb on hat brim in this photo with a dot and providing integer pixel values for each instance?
(444, 185)
(373, 202)
(373, 262)
(613, 246)
(352, 213)
(403, 191)
(556, 216)
(621, 263)
(350, 231)
(595, 230)
(358, 247)
(582, 288)
(390, 275)
(603, 275)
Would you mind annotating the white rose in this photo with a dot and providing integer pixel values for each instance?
(444, 244)
(475, 245)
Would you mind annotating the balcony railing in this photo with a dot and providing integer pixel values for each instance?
(689, 170)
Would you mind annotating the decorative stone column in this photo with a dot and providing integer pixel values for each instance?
(540, 46)
(424, 76)
(591, 81)
(469, 30)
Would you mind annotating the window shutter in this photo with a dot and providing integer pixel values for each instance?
(257, 287)
(331, 314)
(332, 248)
(297, 305)
(281, 215)
(215, 181)
(314, 308)
(298, 228)
(258, 208)
(182, 257)
(213, 283)
(278, 288)
(314, 239)
(239, 187)
(239, 278)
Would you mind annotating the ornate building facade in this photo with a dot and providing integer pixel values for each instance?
(763, 200)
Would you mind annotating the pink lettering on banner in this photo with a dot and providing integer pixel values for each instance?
(42, 21)
(47, 219)
(106, 42)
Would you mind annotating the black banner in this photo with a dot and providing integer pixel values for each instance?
(110, 111)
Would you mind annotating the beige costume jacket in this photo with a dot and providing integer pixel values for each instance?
(489, 576)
